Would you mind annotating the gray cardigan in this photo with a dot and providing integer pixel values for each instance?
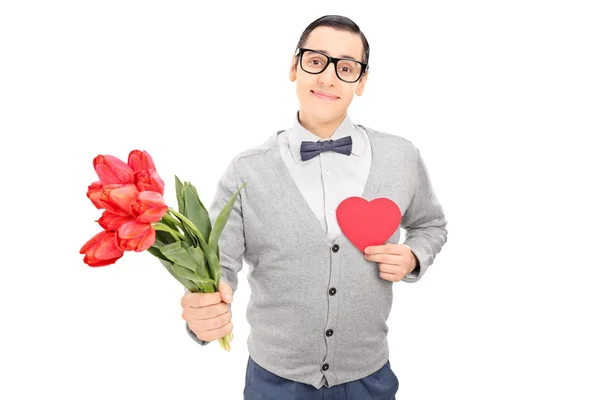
(318, 309)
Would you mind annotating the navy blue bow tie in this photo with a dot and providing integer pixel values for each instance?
(309, 150)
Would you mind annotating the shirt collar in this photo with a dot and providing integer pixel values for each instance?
(298, 134)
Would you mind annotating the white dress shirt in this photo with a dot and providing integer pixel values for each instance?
(330, 177)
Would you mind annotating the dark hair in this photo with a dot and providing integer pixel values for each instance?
(340, 23)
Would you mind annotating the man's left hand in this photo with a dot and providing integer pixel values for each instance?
(395, 260)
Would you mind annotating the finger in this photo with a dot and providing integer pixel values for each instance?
(389, 268)
(200, 299)
(385, 258)
(374, 249)
(221, 332)
(210, 325)
(394, 269)
(388, 277)
(226, 291)
(198, 313)
(388, 248)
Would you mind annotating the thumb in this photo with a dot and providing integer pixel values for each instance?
(225, 291)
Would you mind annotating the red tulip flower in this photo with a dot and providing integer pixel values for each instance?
(140, 160)
(112, 222)
(149, 180)
(136, 236)
(118, 199)
(93, 193)
(144, 170)
(111, 170)
(101, 250)
(149, 207)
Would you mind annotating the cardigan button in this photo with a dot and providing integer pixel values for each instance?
(329, 332)
(325, 367)
(332, 291)
(335, 248)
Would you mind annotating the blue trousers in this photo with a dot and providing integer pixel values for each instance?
(264, 385)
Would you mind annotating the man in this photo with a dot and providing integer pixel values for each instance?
(318, 305)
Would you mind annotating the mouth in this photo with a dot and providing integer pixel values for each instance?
(323, 96)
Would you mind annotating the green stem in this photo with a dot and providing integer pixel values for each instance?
(170, 218)
(188, 222)
(162, 227)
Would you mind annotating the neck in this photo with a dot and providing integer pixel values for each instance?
(323, 129)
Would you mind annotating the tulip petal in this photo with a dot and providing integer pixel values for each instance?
(93, 193)
(101, 250)
(139, 160)
(147, 241)
(111, 221)
(135, 236)
(132, 230)
(91, 242)
(100, 263)
(107, 249)
(149, 207)
(112, 170)
(118, 199)
(151, 198)
(149, 180)
(152, 214)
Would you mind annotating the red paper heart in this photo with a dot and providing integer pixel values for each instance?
(368, 223)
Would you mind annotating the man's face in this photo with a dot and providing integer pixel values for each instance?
(334, 43)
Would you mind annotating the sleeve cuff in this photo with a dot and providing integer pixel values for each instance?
(420, 269)
(194, 337)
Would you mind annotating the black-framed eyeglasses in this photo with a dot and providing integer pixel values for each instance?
(346, 69)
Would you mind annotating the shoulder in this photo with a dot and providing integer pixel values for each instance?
(395, 144)
(257, 153)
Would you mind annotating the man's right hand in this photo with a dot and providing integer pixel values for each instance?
(208, 314)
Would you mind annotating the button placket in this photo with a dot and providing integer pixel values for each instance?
(333, 310)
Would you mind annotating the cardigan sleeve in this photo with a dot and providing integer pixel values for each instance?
(424, 222)
(232, 243)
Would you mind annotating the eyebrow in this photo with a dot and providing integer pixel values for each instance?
(342, 56)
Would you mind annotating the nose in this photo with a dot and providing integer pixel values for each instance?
(328, 76)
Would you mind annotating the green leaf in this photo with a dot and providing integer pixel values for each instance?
(162, 227)
(198, 256)
(189, 236)
(164, 237)
(190, 285)
(155, 251)
(170, 221)
(180, 197)
(222, 220)
(209, 253)
(195, 211)
(177, 253)
(214, 266)
(198, 197)
(191, 276)
(188, 227)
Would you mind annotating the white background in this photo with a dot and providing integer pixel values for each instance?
(502, 98)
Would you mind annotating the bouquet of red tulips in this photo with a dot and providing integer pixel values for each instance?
(136, 218)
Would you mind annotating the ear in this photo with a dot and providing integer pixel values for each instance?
(361, 84)
(293, 69)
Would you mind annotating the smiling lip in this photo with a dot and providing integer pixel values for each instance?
(323, 96)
